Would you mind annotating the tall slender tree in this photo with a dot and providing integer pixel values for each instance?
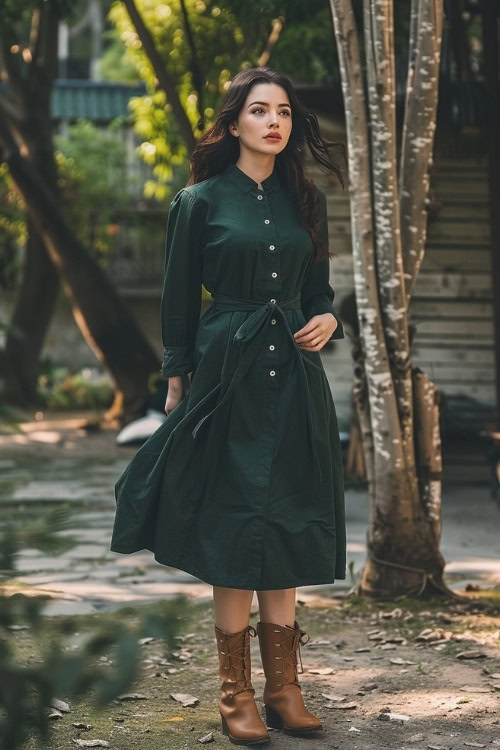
(397, 404)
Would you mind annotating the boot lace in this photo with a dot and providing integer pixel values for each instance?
(237, 663)
(290, 646)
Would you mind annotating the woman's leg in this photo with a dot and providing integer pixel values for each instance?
(277, 606)
(232, 608)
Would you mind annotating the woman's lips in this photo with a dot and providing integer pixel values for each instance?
(273, 137)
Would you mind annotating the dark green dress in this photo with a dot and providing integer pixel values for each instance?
(242, 484)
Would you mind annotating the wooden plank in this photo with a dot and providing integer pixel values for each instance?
(430, 284)
(451, 309)
(454, 352)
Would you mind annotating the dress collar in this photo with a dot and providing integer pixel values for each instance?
(245, 183)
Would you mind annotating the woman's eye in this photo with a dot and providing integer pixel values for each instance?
(259, 109)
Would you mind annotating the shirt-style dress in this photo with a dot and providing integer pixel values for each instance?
(242, 484)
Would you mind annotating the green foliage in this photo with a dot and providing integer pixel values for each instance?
(59, 670)
(162, 146)
(93, 179)
(58, 388)
(115, 64)
(63, 671)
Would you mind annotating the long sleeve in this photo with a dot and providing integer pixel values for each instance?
(317, 295)
(181, 297)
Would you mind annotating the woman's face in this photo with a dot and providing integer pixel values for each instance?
(266, 110)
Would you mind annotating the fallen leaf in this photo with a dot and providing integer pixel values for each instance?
(398, 660)
(342, 705)
(416, 738)
(91, 743)
(473, 744)
(353, 729)
(207, 738)
(332, 697)
(393, 717)
(132, 697)
(394, 614)
(86, 727)
(175, 718)
(322, 670)
(144, 641)
(471, 655)
(474, 689)
(185, 698)
(362, 650)
(60, 705)
(54, 714)
(318, 642)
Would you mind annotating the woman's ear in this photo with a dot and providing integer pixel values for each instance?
(233, 128)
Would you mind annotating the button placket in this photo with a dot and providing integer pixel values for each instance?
(273, 277)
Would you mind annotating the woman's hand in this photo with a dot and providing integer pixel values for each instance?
(316, 332)
(177, 388)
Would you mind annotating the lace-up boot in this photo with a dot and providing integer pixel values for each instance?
(240, 717)
(283, 699)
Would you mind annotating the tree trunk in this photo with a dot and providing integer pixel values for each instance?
(104, 320)
(403, 543)
(39, 290)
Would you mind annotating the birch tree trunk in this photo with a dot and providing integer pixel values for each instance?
(388, 231)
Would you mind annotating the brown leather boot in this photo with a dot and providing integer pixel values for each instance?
(240, 717)
(283, 699)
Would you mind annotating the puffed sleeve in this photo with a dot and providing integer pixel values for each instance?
(317, 295)
(181, 297)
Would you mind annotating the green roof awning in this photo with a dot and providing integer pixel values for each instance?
(92, 100)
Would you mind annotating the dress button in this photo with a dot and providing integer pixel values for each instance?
(274, 275)
(266, 221)
(273, 321)
(272, 300)
(272, 347)
(271, 247)
(272, 373)
(259, 197)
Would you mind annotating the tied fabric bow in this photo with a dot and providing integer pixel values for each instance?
(251, 336)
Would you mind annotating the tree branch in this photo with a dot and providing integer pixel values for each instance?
(165, 80)
(197, 75)
(10, 111)
(12, 72)
(418, 133)
(271, 42)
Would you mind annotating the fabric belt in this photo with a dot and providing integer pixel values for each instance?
(251, 336)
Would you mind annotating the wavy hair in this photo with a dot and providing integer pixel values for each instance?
(217, 148)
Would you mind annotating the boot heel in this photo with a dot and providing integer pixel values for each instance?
(235, 741)
(273, 719)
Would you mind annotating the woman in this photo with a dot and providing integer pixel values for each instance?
(242, 484)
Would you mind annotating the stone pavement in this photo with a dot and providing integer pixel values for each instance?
(79, 469)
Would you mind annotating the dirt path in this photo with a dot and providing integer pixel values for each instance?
(364, 661)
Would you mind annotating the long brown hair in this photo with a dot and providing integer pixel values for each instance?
(217, 148)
